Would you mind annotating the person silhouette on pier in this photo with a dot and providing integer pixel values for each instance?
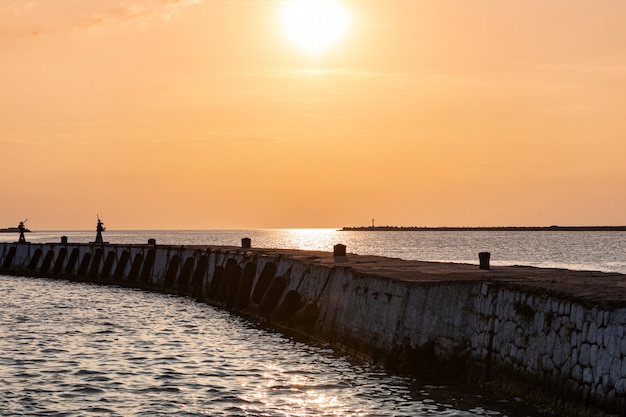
(99, 229)
(22, 229)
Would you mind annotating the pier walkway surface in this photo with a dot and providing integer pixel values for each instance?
(590, 286)
(550, 335)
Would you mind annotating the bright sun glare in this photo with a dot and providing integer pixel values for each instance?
(314, 25)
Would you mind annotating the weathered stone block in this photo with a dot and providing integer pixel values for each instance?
(616, 368)
(587, 376)
(578, 312)
(559, 353)
(577, 373)
(583, 357)
(610, 341)
(550, 340)
(600, 336)
(623, 346)
(484, 289)
(566, 367)
(591, 333)
(599, 317)
(576, 355)
(568, 308)
(547, 363)
(619, 317)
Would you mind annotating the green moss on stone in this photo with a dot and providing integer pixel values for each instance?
(524, 310)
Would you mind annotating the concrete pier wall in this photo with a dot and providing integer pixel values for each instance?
(465, 325)
(575, 351)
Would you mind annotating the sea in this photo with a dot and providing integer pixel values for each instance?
(78, 349)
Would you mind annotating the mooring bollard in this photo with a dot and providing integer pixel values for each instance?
(246, 243)
(339, 250)
(152, 242)
(483, 257)
(64, 239)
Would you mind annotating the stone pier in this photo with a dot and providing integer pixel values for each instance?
(551, 335)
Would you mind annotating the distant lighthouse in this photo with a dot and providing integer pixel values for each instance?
(372, 222)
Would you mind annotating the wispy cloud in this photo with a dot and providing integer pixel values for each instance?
(38, 17)
(148, 9)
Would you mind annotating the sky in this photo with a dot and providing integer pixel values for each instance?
(204, 114)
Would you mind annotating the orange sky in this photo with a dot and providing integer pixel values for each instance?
(166, 114)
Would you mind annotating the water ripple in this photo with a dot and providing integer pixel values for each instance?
(88, 350)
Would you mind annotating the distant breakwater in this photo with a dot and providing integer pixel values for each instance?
(513, 328)
(487, 229)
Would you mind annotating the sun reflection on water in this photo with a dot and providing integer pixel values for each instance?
(293, 393)
(310, 239)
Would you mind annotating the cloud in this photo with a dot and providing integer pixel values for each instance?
(38, 17)
(149, 9)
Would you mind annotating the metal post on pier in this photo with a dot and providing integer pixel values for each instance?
(483, 258)
(339, 250)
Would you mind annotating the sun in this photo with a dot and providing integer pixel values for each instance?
(314, 25)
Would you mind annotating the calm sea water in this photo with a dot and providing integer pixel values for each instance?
(602, 251)
(75, 349)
